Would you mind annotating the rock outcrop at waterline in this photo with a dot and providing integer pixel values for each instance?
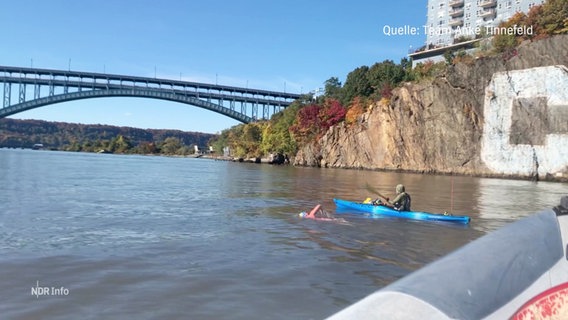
(498, 116)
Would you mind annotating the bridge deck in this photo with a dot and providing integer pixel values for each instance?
(140, 81)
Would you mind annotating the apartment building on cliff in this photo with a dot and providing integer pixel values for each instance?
(448, 20)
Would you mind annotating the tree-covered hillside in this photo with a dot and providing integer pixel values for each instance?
(94, 138)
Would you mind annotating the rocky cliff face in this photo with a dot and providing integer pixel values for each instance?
(495, 117)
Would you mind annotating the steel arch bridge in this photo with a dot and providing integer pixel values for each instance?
(41, 87)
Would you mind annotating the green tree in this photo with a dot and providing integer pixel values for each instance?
(185, 151)
(428, 70)
(145, 148)
(384, 76)
(356, 84)
(244, 140)
(251, 139)
(87, 146)
(333, 88)
(120, 144)
(221, 141)
(449, 57)
(276, 136)
(406, 65)
(171, 145)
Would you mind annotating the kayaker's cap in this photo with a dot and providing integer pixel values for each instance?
(399, 188)
(303, 214)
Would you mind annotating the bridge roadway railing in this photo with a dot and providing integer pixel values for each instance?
(218, 98)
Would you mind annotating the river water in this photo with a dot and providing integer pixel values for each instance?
(97, 236)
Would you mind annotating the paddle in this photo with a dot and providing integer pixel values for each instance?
(373, 190)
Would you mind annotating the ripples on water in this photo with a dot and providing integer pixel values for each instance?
(153, 237)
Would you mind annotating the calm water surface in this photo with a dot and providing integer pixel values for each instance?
(176, 238)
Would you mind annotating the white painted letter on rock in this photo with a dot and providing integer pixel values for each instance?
(525, 131)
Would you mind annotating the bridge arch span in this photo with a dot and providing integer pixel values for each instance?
(140, 93)
(25, 89)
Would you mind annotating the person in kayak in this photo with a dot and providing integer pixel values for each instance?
(402, 200)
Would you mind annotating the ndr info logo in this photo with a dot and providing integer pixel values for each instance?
(49, 291)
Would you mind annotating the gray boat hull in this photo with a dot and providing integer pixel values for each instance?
(489, 278)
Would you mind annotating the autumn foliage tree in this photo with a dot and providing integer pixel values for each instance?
(331, 113)
(544, 20)
(313, 120)
(306, 123)
(356, 109)
(553, 19)
(505, 41)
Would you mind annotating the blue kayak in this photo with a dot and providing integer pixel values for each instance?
(386, 211)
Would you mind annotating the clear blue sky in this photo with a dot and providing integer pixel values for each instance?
(268, 44)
